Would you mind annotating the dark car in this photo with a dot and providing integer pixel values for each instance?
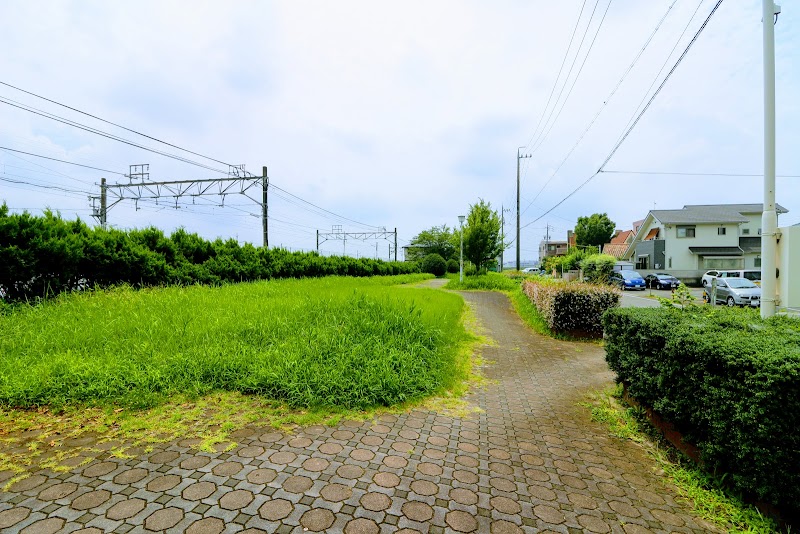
(661, 281)
(627, 280)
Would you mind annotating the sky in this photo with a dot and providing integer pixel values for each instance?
(383, 115)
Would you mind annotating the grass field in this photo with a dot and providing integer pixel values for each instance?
(344, 342)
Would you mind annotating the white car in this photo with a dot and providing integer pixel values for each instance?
(708, 277)
(530, 270)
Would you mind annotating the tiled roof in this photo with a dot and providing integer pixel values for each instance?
(621, 237)
(615, 249)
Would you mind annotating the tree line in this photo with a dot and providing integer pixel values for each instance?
(43, 256)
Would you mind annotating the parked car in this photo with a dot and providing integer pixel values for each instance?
(708, 277)
(530, 270)
(661, 281)
(736, 292)
(627, 280)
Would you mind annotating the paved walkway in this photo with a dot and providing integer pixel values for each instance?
(530, 462)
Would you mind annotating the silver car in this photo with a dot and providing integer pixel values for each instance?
(737, 292)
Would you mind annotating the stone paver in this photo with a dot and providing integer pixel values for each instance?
(529, 461)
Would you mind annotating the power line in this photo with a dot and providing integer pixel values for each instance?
(605, 103)
(663, 82)
(666, 60)
(574, 81)
(131, 143)
(42, 186)
(723, 174)
(111, 123)
(632, 126)
(95, 131)
(555, 83)
(60, 160)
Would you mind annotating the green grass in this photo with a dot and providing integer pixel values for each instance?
(332, 342)
(707, 494)
(488, 282)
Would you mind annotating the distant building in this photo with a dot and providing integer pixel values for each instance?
(619, 243)
(692, 240)
(552, 248)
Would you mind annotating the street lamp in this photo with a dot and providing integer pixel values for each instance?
(461, 261)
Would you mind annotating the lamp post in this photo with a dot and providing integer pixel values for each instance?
(461, 260)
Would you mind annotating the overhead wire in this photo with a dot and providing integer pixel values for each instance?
(632, 126)
(555, 83)
(606, 101)
(574, 80)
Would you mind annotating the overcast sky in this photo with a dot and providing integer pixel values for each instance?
(395, 114)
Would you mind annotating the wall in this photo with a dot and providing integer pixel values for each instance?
(788, 266)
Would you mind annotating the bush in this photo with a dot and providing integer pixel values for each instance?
(727, 380)
(452, 266)
(574, 307)
(44, 256)
(434, 264)
(598, 268)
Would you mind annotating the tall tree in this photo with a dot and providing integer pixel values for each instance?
(482, 239)
(594, 230)
(436, 240)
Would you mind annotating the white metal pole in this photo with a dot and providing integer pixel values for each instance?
(769, 218)
(461, 259)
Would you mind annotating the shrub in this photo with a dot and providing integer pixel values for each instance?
(43, 256)
(452, 266)
(571, 307)
(434, 264)
(598, 268)
(726, 379)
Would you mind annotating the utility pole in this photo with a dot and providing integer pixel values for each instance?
(769, 218)
(395, 244)
(519, 157)
(264, 218)
(103, 204)
(503, 230)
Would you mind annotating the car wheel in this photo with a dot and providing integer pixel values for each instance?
(731, 302)
(705, 282)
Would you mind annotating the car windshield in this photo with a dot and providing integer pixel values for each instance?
(752, 275)
(740, 283)
(664, 276)
(630, 275)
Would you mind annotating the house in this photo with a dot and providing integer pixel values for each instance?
(552, 248)
(619, 243)
(689, 241)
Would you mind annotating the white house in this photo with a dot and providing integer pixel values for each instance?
(689, 241)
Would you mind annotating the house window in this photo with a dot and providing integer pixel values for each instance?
(670, 262)
(685, 231)
(757, 262)
(745, 231)
(721, 230)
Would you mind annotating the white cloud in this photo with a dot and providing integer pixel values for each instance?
(398, 115)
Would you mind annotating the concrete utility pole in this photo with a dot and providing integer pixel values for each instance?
(103, 204)
(264, 216)
(769, 218)
(519, 157)
(503, 233)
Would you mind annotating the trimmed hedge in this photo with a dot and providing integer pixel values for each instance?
(433, 264)
(729, 381)
(573, 307)
(45, 256)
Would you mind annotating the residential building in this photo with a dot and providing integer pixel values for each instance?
(552, 248)
(619, 243)
(689, 241)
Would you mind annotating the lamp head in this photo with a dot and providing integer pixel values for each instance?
(460, 219)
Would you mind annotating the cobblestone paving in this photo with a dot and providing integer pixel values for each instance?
(530, 462)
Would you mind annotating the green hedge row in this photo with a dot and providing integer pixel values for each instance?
(42, 256)
(572, 307)
(728, 380)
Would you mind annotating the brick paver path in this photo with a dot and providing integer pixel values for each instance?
(530, 462)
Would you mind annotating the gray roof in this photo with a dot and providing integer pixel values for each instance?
(740, 208)
(699, 214)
